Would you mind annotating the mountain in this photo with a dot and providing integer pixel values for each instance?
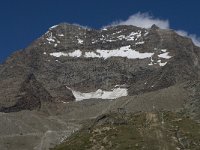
(72, 74)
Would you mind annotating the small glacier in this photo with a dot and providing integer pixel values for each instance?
(100, 94)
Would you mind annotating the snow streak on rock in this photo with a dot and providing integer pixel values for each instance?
(76, 53)
(165, 55)
(124, 51)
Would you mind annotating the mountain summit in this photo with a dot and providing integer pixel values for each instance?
(71, 67)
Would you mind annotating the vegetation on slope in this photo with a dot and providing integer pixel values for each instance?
(148, 131)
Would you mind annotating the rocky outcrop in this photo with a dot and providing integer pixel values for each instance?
(31, 96)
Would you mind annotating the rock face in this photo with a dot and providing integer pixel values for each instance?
(70, 57)
(31, 96)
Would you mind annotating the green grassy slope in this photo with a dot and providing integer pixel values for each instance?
(150, 131)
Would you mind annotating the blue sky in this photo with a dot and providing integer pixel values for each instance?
(22, 21)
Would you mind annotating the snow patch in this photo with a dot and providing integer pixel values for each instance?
(139, 43)
(76, 53)
(58, 54)
(80, 41)
(164, 50)
(133, 36)
(100, 94)
(61, 35)
(50, 38)
(159, 62)
(162, 64)
(53, 27)
(124, 51)
(121, 37)
(120, 86)
(165, 55)
(110, 40)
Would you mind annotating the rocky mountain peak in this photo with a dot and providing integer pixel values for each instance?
(69, 58)
(154, 27)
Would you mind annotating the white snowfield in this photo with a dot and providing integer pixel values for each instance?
(100, 94)
(76, 53)
(124, 51)
(165, 55)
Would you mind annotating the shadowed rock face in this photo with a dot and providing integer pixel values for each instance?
(31, 96)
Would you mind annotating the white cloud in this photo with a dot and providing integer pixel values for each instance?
(194, 37)
(82, 26)
(144, 20)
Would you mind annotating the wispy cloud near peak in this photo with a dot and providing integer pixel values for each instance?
(194, 37)
(144, 20)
